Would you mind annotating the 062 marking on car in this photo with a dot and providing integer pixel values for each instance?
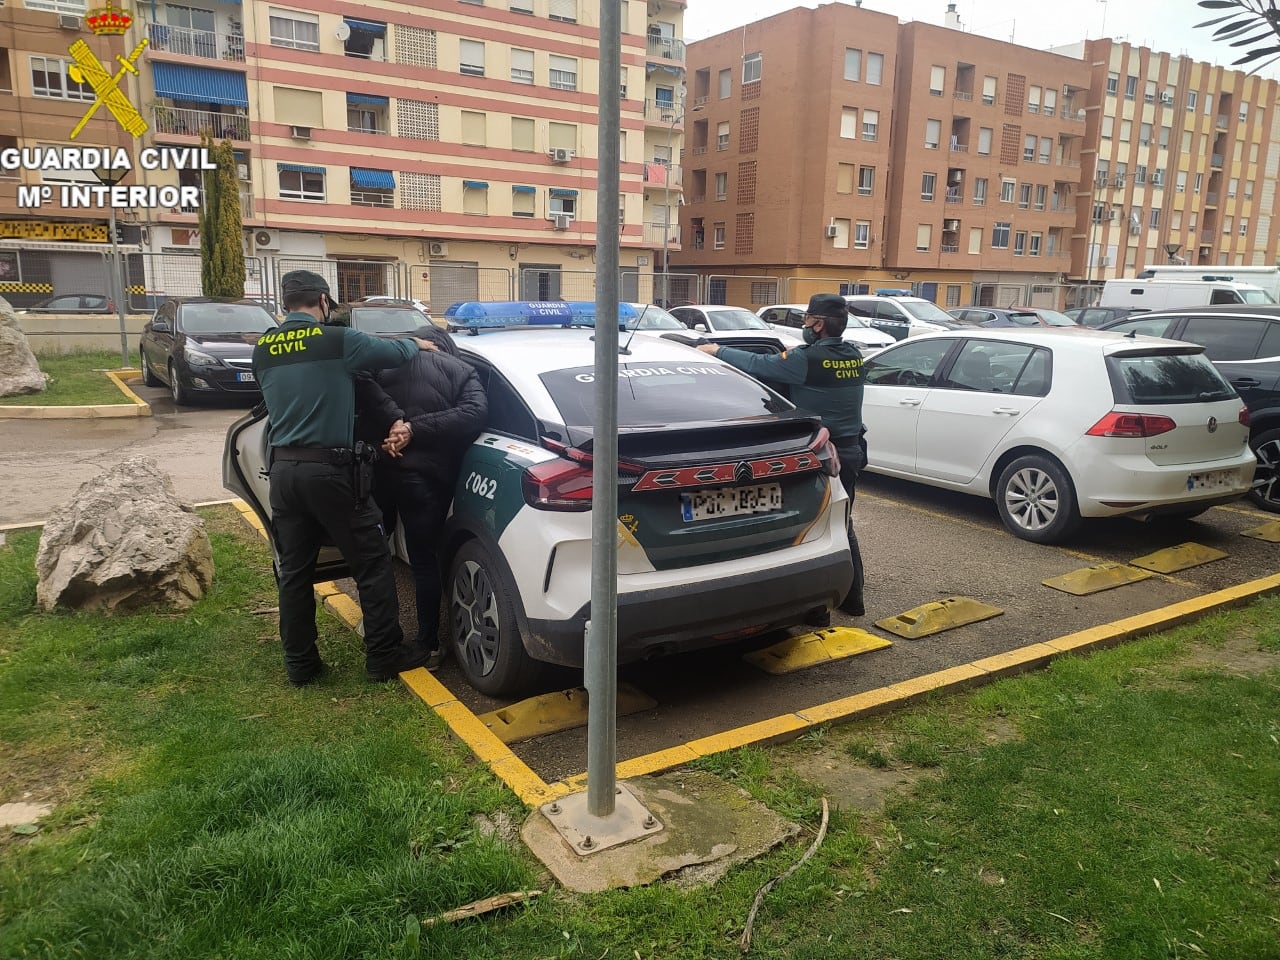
(482, 486)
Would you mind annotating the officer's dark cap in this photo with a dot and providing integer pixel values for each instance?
(303, 281)
(829, 305)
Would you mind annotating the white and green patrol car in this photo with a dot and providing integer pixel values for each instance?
(731, 518)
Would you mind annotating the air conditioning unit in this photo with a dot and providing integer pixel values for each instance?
(950, 226)
(1104, 261)
(242, 171)
(266, 240)
(1111, 215)
(300, 133)
(437, 248)
(560, 155)
(1119, 183)
(832, 231)
(1157, 178)
(956, 176)
(69, 21)
(560, 221)
(1166, 99)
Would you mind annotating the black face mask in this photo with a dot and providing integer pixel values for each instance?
(810, 335)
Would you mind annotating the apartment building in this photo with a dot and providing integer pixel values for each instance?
(837, 146)
(1186, 156)
(457, 137)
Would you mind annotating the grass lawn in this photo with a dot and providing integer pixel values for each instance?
(1124, 805)
(75, 379)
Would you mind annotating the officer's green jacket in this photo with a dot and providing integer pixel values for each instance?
(825, 379)
(305, 370)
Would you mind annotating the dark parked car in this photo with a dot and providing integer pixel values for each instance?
(1010, 317)
(1243, 342)
(202, 346)
(1098, 316)
(74, 303)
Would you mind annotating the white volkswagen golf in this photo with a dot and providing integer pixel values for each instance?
(1057, 424)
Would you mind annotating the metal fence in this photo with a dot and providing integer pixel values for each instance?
(156, 277)
(743, 291)
(350, 280)
(442, 284)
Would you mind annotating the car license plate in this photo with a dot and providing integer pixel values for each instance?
(730, 501)
(245, 377)
(1212, 480)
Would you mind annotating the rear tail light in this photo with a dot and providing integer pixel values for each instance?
(1243, 416)
(826, 453)
(557, 485)
(1131, 425)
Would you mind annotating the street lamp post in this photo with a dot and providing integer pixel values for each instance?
(116, 283)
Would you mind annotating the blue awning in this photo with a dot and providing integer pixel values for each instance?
(475, 184)
(368, 98)
(368, 26)
(517, 188)
(181, 81)
(557, 192)
(669, 68)
(299, 168)
(373, 179)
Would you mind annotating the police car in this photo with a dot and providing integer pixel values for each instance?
(731, 518)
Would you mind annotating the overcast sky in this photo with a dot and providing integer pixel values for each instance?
(1164, 25)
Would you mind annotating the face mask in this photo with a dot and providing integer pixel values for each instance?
(810, 335)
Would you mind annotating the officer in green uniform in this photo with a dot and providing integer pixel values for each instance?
(306, 370)
(825, 377)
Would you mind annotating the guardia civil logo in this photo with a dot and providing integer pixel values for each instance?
(107, 21)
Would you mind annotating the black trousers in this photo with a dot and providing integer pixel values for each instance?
(313, 504)
(853, 457)
(421, 505)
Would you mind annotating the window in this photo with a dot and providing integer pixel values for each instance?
(522, 66)
(1149, 94)
(1126, 130)
(1130, 88)
(471, 58)
(717, 236)
(861, 234)
(1182, 181)
(1244, 113)
(475, 197)
(866, 181)
(928, 183)
(523, 201)
(1191, 101)
(521, 6)
(1006, 190)
(1248, 189)
(849, 123)
(562, 135)
(1244, 226)
(1154, 221)
(521, 133)
(1020, 243)
(57, 6)
(1029, 148)
(301, 183)
(979, 191)
(722, 135)
(1042, 195)
(301, 31)
(1164, 138)
(1144, 134)
(751, 67)
(1140, 174)
(1046, 149)
(566, 11)
(840, 242)
(564, 73)
(1107, 127)
(1113, 84)
(1050, 101)
(49, 78)
(937, 80)
(1100, 212)
(722, 185)
(844, 177)
(984, 141)
(870, 124)
(975, 239)
(924, 237)
(1199, 183)
(1227, 223)
(1232, 186)
(1208, 104)
(1000, 235)
(852, 64)
(932, 134)
(1024, 196)
(474, 128)
(953, 295)
(875, 68)
(988, 90)
(725, 83)
(1034, 249)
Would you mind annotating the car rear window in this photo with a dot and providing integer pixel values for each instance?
(386, 319)
(658, 394)
(1166, 376)
(206, 318)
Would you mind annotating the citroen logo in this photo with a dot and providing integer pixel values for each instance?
(1212, 424)
(743, 471)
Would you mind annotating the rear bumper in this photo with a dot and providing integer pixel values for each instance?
(670, 619)
(1120, 486)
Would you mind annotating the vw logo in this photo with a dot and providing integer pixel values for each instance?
(1212, 424)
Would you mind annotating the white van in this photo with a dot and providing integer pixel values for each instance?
(1268, 278)
(1167, 294)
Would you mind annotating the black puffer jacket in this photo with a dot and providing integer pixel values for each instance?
(442, 399)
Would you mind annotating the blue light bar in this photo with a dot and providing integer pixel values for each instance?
(472, 315)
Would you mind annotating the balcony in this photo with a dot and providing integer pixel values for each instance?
(191, 123)
(666, 48)
(959, 147)
(1223, 122)
(654, 234)
(246, 205)
(954, 196)
(1211, 199)
(663, 112)
(962, 95)
(1208, 236)
(1215, 161)
(661, 174)
(950, 248)
(190, 42)
(373, 198)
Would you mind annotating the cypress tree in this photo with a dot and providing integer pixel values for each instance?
(221, 226)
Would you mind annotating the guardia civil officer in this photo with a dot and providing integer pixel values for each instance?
(825, 376)
(306, 370)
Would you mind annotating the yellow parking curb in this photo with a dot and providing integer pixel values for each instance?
(137, 407)
(1269, 532)
(556, 712)
(1182, 557)
(810, 649)
(930, 618)
(1094, 579)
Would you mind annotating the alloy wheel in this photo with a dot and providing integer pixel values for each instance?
(1031, 498)
(476, 631)
(1266, 479)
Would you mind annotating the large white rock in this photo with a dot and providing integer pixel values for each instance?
(19, 372)
(124, 542)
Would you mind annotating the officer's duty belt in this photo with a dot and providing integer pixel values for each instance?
(338, 456)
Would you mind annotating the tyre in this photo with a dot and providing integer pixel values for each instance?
(181, 396)
(1037, 500)
(483, 627)
(1266, 481)
(148, 375)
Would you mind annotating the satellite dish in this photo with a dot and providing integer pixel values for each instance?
(343, 32)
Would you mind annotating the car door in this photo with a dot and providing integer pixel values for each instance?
(1244, 349)
(897, 382)
(989, 386)
(161, 338)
